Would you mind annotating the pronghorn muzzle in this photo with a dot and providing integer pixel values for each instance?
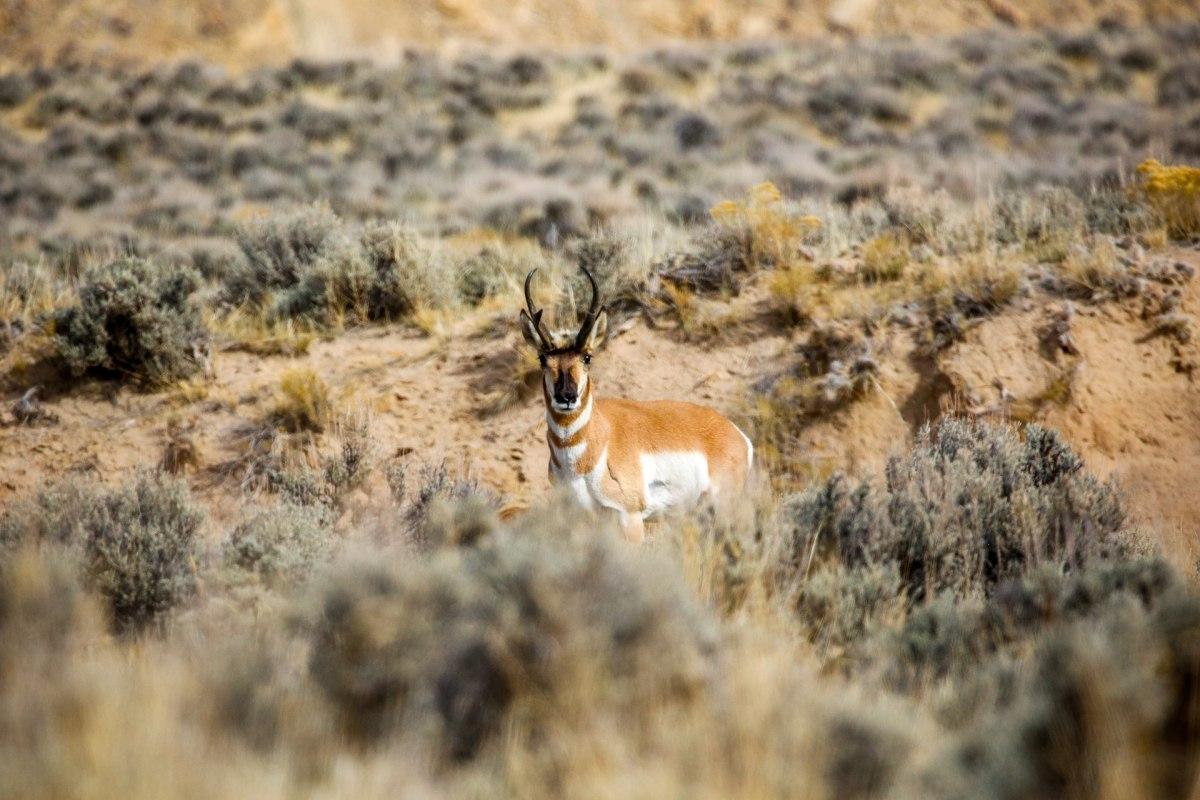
(566, 390)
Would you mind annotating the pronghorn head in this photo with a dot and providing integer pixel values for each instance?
(565, 360)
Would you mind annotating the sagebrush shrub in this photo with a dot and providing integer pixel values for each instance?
(517, 620)
(948, 638)
(135, 320)
(310, 264)
(1101, 702)
(436, 484)
(488, 272)
(286, 542)
(56, 515)
(405, 274)
(140, 549)
(279, 250)
(302, 264)
(136, 545)
(42, 607)
(970, 507)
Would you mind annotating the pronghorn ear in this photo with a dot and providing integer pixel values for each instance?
(529, 329)
(598, 331)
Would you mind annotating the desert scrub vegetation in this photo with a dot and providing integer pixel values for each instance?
(454, 143)
(284, 543)
(484, 614)
(969, 508)
(135, 546)
(765, 230)
(135, 320)
(307, 452)
(309, 265)
(976, 621)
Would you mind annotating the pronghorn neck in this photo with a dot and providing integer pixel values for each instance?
(570, 434)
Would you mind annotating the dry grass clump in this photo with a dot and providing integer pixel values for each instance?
(885, 258)
(247, 331)
(759, 231)
(303, 402)
(1091, 273)
(768, 231)
(1174, 194)
(1044, 223)
(798, 292)
(27, 293)
(135, 320)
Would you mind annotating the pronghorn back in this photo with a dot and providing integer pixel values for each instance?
(661, 427)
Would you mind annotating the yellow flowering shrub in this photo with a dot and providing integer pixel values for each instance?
(773, 232)
(1174, 194)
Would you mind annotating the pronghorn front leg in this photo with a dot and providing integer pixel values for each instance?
(635, 528)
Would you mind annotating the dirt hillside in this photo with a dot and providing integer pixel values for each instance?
(242, 33)
(1126, 400)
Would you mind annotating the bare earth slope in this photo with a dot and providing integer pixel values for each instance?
(1128, 408)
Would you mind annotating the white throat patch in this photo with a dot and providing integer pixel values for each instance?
(565, 431)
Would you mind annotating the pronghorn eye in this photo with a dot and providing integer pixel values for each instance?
(587, 358)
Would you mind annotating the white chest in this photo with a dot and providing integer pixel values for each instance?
(586, 487)
(672, 480)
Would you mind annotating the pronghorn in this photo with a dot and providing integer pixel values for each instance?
(637, 459)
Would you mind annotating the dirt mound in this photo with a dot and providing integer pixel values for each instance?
(242, 33)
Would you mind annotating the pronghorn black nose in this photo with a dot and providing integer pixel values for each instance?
(566, 397)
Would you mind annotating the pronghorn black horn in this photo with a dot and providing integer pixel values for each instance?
(536, 314)
(585, 330)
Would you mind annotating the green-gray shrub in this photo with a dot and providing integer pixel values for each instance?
(405, 274)
(135, 545)
(135, 320)
(279, 250)
(970, 507)
(946, 638)
(310, 264)
(514, 620)
(140, 551)
(56, 515)
(286, 542)
(436, 485)
(1098, 695)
